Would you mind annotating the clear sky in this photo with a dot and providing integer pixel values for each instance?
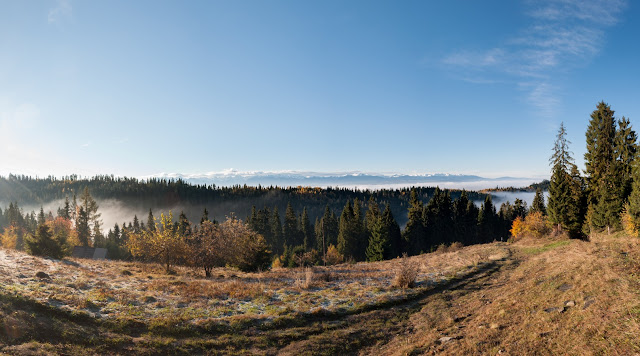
(141, 87)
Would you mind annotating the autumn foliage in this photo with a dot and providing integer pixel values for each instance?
(534, 224)
(231, 243)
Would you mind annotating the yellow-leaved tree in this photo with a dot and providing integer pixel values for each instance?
(163, 245)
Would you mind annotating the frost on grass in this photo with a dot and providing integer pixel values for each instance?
(146, 293)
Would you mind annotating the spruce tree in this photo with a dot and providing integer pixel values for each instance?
(347, 233)
(277, 243)
(625, 151)
(41, 217)
(538, 203)
(560, 184)
(359, 231)
(306, 231)
(82, 227)
(290, 231)
(205, 216)
(414, 234)
(603, 170)
(487, 221)
(151, 222)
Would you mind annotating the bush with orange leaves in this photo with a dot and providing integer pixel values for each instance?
(534, 225)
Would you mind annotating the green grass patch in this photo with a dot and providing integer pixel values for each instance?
(547, 247)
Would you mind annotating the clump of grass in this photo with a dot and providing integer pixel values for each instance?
(406, 274)
(309, 279)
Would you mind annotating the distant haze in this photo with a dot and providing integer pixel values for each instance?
(359, 180)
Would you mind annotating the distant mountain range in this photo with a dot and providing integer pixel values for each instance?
(347, 179)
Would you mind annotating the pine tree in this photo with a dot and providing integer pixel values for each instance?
(414, 234)
(538, 203)
(559, 184)
(625, 152)
(276, 233)
(372, 215)
(41, 217)
(347, 235)
(290, 231)
(603, 171)
(44, 243)
(359, 231)
(82, 226)
(306, 230)
(98, 237)
(378, 240)
(136, 224)
(151, 222)
(487, 221)
(438, 218)
(385, 238)
(205, 216)
(183, 225)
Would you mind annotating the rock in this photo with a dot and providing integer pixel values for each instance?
(565, 287)
(554, 309)
(42, 275)
(126, 273)
(444, 339)
(569, 303)
(149, 299)
(494, 326)
(588, 302)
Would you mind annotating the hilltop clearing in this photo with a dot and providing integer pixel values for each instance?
(533, 296)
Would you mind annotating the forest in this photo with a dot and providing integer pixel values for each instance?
(300, 226)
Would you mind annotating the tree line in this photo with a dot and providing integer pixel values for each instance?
(359, 231)
(608, 194)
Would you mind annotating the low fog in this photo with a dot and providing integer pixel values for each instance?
(115, 211)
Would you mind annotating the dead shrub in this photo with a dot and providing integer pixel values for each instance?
(406, 274)
(307, 280)
(455, 246)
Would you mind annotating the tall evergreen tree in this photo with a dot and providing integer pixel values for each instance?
(438, 218)
(359, 231)
(487, 221)
(414, 234)
(348, 234)
(276, 233)
(603, 173)
(41, 217)
(183, 225)
(565, 196)
(82, 226)
(306, 230)
(538, 203)
(625, 152)
(205, 216)
(151, 222)
(290, 231)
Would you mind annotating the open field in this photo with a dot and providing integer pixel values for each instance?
(532, 296)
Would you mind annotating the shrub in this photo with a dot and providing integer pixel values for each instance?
(406, 274)
(333, 257)
(44, 244)
(13, 238)
(309, 279)
(534, 224)
(628, 223)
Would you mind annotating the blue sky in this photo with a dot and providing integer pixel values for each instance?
(141, 87)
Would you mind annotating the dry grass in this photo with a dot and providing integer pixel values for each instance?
(535, 296)
(406, 273)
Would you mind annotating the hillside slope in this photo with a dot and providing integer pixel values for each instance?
(533, 296)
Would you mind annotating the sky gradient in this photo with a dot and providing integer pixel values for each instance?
(138, 88)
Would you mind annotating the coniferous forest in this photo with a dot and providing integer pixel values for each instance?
(305, 226)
